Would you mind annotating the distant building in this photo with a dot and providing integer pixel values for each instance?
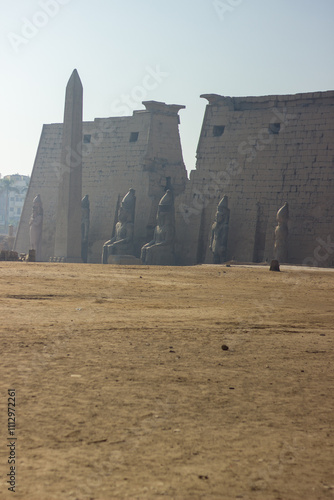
(13, 189)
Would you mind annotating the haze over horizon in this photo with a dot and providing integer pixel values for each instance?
(130, 52)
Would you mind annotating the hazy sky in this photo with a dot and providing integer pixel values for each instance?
(133, 50)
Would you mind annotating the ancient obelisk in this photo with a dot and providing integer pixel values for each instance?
(68, 219)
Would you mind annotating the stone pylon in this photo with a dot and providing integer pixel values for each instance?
(68, 221)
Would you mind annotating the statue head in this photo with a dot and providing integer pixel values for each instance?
(165, 208)
(37, 207)
(161, 218)
(282, 215)
(123, 215)
(126, 212)
(222, 209)
(219, 217)
(223, 204)
(37, 201)
(85, 202)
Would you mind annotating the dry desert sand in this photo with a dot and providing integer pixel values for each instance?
(123, 389)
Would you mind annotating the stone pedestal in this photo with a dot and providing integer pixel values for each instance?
(124, 260)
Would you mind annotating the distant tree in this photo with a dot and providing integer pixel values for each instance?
(6, 186)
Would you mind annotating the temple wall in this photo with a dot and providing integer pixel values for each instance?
(44, 181)
(142, 151)
(261, 152)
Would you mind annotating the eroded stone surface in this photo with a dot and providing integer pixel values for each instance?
(122, 242)
(219, 232)
(160, 250)
(261, 152)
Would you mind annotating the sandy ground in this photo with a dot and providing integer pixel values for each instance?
(123, 390)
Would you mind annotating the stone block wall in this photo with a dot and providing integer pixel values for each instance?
(142, 151)
(261, 152)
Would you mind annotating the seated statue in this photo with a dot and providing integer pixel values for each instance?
(219, 232)
(160, 251)
(122, 242)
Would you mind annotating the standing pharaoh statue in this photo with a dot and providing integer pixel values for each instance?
(36, 225)
(160, 251)
(281, 234)
(219, 232)
(85, 214)
(122, 242)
